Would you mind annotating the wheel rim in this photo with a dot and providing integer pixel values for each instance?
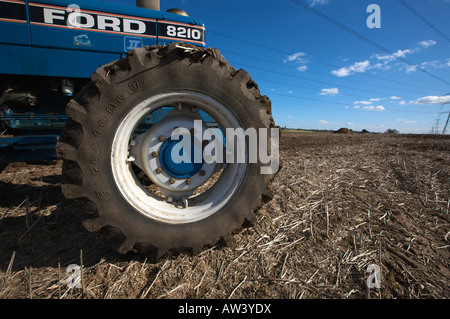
(173, 181)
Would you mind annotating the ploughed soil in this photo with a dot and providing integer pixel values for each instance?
(344, 205)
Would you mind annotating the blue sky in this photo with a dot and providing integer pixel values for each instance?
(319, 76)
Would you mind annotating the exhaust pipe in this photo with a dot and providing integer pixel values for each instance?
(149, 4)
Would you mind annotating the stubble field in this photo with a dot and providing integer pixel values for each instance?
(342, 202)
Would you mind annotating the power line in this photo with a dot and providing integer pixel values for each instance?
(307, 88)
(312, 60)
(322, 74)
(305, 98)
(424, 20)
(313, 80)
(337, 103)
(324, 101)
(303, 87)
(360, 36)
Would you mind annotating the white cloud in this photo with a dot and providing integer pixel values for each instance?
(411, 68)
(375, 99)
(433, 100)
(298, 59)
(363, 102)
(391, 57)
(402, 53)
(374, 108)
(358, 67)
(323, 122)
(402, 102)
(385, 59)
(341, 72)
(291, 116)
(381, 66)
(313, 3)
(427, 43)
(395, 97)
(295, 57)
(405, 121)
(332, 91)
(436, 64)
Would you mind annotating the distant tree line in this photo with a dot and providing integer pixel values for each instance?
(392, 131)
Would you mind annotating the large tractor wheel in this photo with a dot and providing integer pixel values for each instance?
(117, 150)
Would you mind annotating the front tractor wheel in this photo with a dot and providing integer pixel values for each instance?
(145, 149)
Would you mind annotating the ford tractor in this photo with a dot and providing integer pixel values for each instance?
(140, 112)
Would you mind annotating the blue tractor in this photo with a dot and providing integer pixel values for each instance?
(114, 91)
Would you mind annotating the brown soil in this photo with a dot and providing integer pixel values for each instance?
(342, 203)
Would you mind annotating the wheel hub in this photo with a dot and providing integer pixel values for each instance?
(168, 165)
(184, 169)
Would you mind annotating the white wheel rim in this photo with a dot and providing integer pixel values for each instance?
(153, 206)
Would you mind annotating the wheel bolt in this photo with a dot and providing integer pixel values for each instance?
(189, 181)
(159, 170)
(155, 154)
(172, 181)
(202, 173)
(162, 138)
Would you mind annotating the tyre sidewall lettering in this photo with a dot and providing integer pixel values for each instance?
(99, 140)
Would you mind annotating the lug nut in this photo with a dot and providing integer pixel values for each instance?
(155, 154)
(202, 173)
(189, 181)
(162, 138)
(172, 181)
(159, 170)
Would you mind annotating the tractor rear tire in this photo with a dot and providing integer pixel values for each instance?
(91, 136)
